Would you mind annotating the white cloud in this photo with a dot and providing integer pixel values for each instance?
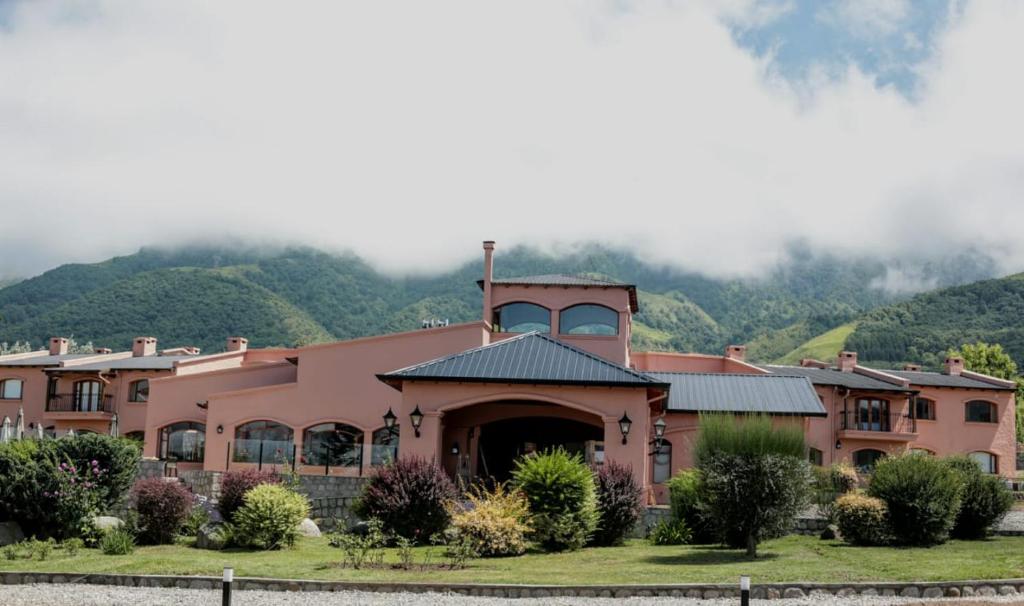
(409, 131)
(868, 18)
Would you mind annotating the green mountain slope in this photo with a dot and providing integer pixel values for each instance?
(823, 347)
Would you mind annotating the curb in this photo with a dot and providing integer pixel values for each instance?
(938, 589)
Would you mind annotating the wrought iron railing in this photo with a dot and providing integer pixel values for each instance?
(72, 402)
(874, 420)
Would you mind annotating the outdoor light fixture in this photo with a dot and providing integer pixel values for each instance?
(220, 429)
(389, 419)
(839, 445)
(659, 434)
(744, 590)
(624, 426)
(417, 419)
(455, 448)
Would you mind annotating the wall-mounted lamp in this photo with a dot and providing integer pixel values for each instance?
(455, 448)
(220, 429)
(624, 426)
(839, 445)
(417, 419)
(659, 434)
(390, 419)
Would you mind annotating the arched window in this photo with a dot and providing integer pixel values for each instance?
(924, 408)
(10, 389)
(185, 441)
(815, 456)
(522, 317)
(865, 460)
(385, 446)
(87, 396)
(588, 320)
(263, 442)
(138, 391)
(663, 463)
(980, 411)
(986, 460)
(334, 444)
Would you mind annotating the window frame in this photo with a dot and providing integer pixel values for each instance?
(385, 451)
(335, 458)
(932, 407)
(867, 468)
(664, 451)
(133, 391)
(816, 456)
(87, 401)
(288, 444)
(992, 408)
(614, 326)
(993, 459)
(3, 389)
(499, 327)
(164, 438)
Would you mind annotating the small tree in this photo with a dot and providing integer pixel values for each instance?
(619, 503)
(411, 497)
(985, 500)
(753, 475)
(922, 495)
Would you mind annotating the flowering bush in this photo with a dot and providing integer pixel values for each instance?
(235, 484)
(862, 520)
(163, 508)
(75, 498)
(619, 503)
(269, 517)
(494, 522)
(411, 497)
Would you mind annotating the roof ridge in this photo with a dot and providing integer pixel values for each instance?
(588, 354)
(464, 352)
(723, 374)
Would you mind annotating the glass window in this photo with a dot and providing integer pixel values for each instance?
(522, 317)
(263, 441)
(588, 320)
(871, 415)
(334, 444)
(10, 389)
(185, 441)
(980, 411)
(986, 460)
(87, 396)
(663, 463)
(924, 409)
(865, 460)
(815, 456)
(385, 446)
(138, 391)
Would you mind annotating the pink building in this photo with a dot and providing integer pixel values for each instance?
(549, 363)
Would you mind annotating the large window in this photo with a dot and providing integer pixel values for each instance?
(986, 460)
(865, 460)
(185, 441)
(333, 444)
(663, 463)
(263, 442)
(871, 415)
(10, 389)
(522, 317)
(815, 456)
(138, 391)
(87, 396)
(385, 446)
(980, 411)
(924, 408)
(588, 320)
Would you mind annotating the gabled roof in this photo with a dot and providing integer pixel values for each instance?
(935, 379)
(832, 376)
(568, 280)
(133, 363)
(531, 358)
(743, 393)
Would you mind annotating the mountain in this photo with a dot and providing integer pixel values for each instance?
(293, 296)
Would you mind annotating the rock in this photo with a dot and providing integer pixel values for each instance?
(360, 529)
(212, 536)
(10, 533)
(107, 522)
(952, 592)
(910, 592)
(793, 593)
(308, 528)
(831, 533)
(932, 592)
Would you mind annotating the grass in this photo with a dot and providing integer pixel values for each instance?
(823, 347)
(793, 558)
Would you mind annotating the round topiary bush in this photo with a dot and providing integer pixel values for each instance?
(163, 508)
(411, 498)
(985, 500)
(922, 495)
(235, 484)
(619, 503)
(269, 517)
(862, 520)
(495, 522)
(563, 498)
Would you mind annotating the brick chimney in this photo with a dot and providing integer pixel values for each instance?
(488, 275)
(912, 367)
(846, 361)
(58, 346)
(102, 350)
(954, 365)
(143, 346)
(736, 352)
(238, 344)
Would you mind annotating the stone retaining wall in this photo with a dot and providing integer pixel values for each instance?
(954, 589)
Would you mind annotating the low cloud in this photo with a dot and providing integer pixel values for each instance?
(409, 131)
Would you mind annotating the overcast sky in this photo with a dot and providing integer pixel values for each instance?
(705, 134)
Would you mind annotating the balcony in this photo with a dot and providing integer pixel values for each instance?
(877, 425)
(80, 406)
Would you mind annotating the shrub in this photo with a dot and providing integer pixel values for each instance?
(20, 483)
(670, 532)
(619, 503)
(118, 457)
(831, 483)
(361, 548)
(75, 498)
(922, 495)
(197, 518)
(862, 520)
(685, 499)
(41, 550)
(411, 497)
(985, 499)
(754, 477)
(72, 546)
(117, 541)
(269, 516)
(562, 496)
(495, 522)
(163, 508)
(235, 484)
(12, 551)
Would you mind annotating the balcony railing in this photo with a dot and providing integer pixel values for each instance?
(69, 402)
(873, 420)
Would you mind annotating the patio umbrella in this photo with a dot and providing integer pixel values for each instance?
(40, 434)
(113, 426)
(19, 424)
(71, 432)
(5, 431)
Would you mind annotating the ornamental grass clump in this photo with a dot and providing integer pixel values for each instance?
(562, 495)
(412, 497)
(235, 484)
(922, 495)
(754, 477)
(269, 517)
(619, 504)
(494, 522)
(163, 508)
(985, 499)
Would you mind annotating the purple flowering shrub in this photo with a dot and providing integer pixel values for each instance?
(410, 497)
(619, 503)
(163, 508)
(75, 498)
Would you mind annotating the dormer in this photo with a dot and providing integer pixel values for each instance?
(591, 313)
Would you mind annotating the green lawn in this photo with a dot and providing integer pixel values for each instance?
(792, 558)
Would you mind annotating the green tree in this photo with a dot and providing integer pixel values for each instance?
(992, 360)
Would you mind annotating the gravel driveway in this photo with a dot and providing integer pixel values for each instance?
(98, 595)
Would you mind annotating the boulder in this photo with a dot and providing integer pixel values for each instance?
(212, 536)
(308, 528)
(831, 533)
(10, 533)
(105, 523)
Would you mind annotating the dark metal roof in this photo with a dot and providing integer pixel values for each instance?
(133, 363)
(935, 379)
(745, 393)
(831, 376)
(46, 360)
(532, 358)
(568, 280)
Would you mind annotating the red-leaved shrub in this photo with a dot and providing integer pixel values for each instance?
(235, 484)
(163, 508)
(410, 497)
(619, 503)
